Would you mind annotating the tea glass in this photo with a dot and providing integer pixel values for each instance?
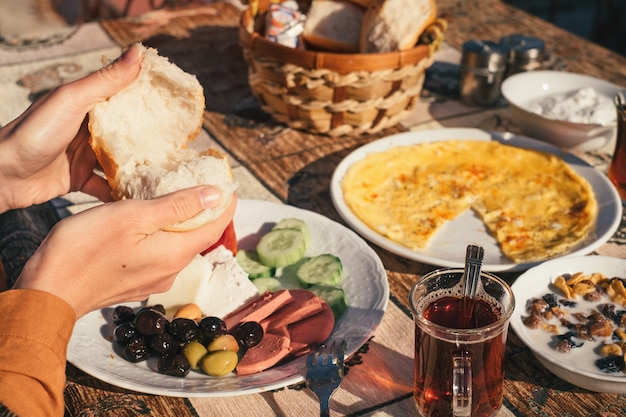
(459, 367)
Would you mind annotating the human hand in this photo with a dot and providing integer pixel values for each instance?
(117, 252)
(45, 152)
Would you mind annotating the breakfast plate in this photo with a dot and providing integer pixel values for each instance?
(365, 286)
(447, 247)
(577, 366)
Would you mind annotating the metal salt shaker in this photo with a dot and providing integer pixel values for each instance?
(483, 66)
(525, 53)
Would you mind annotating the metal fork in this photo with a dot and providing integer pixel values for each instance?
(324, 372)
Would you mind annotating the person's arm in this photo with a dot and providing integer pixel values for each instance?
(34, 333)
(126, 257)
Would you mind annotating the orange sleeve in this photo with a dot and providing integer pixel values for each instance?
(35, 329)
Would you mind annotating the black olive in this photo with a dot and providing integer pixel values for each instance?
(123, 314)
(125, 332)
(150, 322)
(136, 350)
(142, 309)
(174, 365)
(249, 334)
(211, 328)
(159, 307)
(164, 344)
(184, 329)
(156, 307)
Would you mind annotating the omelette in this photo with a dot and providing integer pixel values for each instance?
(533, 203)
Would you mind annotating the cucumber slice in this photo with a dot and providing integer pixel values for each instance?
(293, 223)
(321, 269)
(267, 284)
(288, 275)
(248, 260)
(281, 247)
(334, 297)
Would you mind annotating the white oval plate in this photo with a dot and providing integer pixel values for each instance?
(578, 365)
(365, 285)
(447, 247)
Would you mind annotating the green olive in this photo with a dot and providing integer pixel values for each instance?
(223, 342)
(194, 351)
(219, 362)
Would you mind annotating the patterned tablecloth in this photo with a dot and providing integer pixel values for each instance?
(275, 163)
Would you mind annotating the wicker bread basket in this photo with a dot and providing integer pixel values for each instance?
(333, 93)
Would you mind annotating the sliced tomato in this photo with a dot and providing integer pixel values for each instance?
(228, 239)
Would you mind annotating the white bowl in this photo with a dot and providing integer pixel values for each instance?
(577, 366)
(523, 88)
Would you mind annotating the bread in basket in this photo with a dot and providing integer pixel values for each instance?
(336, 94)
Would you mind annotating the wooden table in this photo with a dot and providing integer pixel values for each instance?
(280, 164)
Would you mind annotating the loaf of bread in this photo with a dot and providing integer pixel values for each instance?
(333, 25)
(395, 25)
(140, 138)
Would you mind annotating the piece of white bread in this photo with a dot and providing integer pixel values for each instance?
(333, 25)
(140, 134)
(395, 25)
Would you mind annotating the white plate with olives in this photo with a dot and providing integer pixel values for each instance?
(365, 285)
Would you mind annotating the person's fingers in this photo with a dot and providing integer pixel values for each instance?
(184, 204)
(107, 81)
(98, 187)
(81, 158)
(208, 234)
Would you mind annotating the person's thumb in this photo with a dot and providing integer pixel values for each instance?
(185, 204)
(108, 80)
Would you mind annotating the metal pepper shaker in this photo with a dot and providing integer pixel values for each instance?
(525, 53)
(483, 66)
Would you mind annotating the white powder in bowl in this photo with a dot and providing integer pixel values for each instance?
(584, 105)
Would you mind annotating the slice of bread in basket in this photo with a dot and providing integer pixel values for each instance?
(395, 25)
(333, 25)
